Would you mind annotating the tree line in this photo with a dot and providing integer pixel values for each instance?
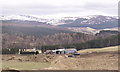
(96, 43)
(9, 51)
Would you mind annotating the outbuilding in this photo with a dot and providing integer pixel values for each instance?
(65, 51)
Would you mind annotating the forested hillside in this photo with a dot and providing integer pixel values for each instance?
(21, 41)
(32, 31)
(31, 28)
(96, 43)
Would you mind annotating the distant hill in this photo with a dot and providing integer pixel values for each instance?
(96, 22)
(89, 30)
(28, 34)
(80, 21)
(32, 28)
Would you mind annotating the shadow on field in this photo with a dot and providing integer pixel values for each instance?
(10, 71)
(60, 71)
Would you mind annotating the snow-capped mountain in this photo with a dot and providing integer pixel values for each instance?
(23, 18)
(98, 19)
(96, 22)
(92, 19)
(29, 18)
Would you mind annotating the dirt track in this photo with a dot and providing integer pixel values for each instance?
(92, 61)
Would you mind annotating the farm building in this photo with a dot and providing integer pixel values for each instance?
(29, 51)
(70, 51)
(59, 51)
(62, 51)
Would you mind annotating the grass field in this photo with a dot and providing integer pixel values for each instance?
(106, 49)
(24, 65)
(86, 61)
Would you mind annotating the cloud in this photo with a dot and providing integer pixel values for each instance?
(59, 7)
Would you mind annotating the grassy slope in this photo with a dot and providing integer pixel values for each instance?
(106, 49)
(24, 65)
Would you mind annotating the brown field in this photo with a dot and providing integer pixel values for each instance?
(93, 61)
(87, 61)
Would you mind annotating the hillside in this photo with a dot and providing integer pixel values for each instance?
(29, 34)
(29, 37)
(65, 21)
(32, 31)
(105, 49)
(89, 30)
(31, 28)
(96, 22)
(22, 41)
(99, 42)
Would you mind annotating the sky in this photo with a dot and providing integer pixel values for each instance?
(59, 8)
